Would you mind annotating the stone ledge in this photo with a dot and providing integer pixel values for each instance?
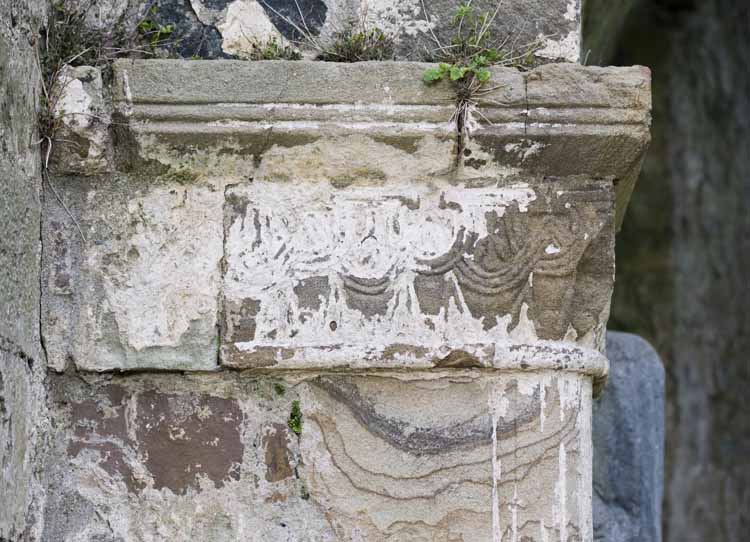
(423, 362)
(558, 119)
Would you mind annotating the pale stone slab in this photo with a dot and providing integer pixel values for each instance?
(228, 118)
(142, 290)
(413, 275)
(82, 143)
(522, 216)
(440, 455)
(458, 456)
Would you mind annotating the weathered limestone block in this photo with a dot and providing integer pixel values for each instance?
(355, 233)
(434, 274)
(363, 217)
(82, 143)
(448, 455)
(628, 436)
(141, 291)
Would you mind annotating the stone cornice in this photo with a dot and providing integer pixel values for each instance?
(585, 120)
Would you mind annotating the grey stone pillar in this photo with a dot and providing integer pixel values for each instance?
(628, 435)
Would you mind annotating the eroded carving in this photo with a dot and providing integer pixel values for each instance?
(424, 266)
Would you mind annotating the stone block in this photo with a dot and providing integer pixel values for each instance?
(420, 275)
(346, 195)
(82, 143)
(628, 436)
(555, 120)
(138, 286)
(456, 454)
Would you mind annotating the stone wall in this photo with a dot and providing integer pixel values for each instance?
(231, 28)
(434, 313)
(374, 393)
(22, 360)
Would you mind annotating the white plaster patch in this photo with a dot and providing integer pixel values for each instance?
(246, 24)
(127, 107)
(513, 506)
(561, 490)
(395, 16)
(571, 11)
(568, 48)
(84, 120)
(525, 148)
(495, 404)
(294, 234)
(74, 103)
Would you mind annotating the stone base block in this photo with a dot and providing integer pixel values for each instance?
(471, 455)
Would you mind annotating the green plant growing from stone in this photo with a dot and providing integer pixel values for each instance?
(272, 49)
(466, 61)
(279, 389)
(295, 419)
(356, 41)
(68, 41)
(154, 33)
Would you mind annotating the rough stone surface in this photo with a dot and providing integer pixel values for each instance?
(628, 436)
(554, 24)
(322, 217)
(22, 363)
(142, 289)
(22, 438)
(83, 144)
(430, 456)
(20, 181)
(394, 275)
(557, 120)
(226, 28)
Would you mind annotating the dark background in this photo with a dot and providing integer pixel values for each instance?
(683, 255)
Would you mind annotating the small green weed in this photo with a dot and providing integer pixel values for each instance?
(295, 419)
(358, 43)
(273, 49)
(154, 33)
(68, 41)
(467, 59)
(279, 389)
